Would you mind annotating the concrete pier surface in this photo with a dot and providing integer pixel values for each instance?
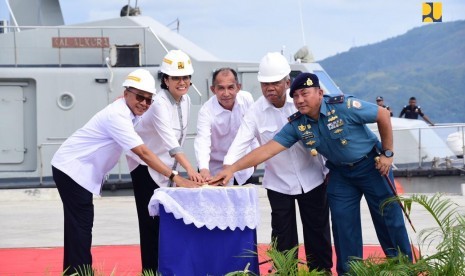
(34, 218)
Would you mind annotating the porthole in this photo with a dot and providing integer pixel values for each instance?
(66, 101)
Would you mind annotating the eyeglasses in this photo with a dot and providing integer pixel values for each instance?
(178, 79)
(141, 98)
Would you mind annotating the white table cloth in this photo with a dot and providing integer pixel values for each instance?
(222, 207)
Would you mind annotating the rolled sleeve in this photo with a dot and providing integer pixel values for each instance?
(175, 151)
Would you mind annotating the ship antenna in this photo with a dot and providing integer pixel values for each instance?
(129, 5)
(302, 22)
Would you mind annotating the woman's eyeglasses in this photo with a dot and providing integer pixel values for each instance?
(184, 78)
(141, 98)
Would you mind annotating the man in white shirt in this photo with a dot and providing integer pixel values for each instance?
(81, 163)
(218, 122)
(290, 175)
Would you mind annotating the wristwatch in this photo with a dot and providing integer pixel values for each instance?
(388, 153)
(173, 174)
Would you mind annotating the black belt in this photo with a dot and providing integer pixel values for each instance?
(355, 163)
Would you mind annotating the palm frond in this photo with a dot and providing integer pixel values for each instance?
(448, 237)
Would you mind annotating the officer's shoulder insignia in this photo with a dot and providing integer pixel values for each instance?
(356, 104)
(294, 116)
(335, 99)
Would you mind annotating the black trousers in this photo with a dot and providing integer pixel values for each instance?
(78, 209)
(149, 227)
(314, 213)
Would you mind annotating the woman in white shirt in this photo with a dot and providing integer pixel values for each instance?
(163, 128)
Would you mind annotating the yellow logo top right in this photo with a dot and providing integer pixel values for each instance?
(432, 12)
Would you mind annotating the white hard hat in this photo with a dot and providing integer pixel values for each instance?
(273, 67)
(177, 63)
(142, 80)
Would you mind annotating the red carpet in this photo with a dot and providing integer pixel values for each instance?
(121, 260)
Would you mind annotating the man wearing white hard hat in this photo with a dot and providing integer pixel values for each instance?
(292, 174)
(81, 163)
(163, 128)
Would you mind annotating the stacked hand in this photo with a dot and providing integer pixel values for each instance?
(222, 178)
(205, 173)
(195, 176)
(186, 183)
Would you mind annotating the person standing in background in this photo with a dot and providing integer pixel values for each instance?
(380, 102)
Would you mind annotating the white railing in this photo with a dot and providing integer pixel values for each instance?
(60, 58)
(418, 146)
(442, 131)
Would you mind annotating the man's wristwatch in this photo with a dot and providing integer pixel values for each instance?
(173, 174)
(388, 153)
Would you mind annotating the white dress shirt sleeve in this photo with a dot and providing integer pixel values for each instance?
(121, 129)
(202, 143)
(249, 102)
(243, 140)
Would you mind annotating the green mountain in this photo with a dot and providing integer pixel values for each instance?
(427, 62)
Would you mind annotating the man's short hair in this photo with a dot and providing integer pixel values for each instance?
(228, 69)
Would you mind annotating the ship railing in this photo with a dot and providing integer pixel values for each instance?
(429, 146)
(441, 161)
(17, 52)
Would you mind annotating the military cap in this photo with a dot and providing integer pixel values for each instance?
(304, 80)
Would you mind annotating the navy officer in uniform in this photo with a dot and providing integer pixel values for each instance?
(335, 127)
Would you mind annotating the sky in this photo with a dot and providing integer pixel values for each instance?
(245, 30)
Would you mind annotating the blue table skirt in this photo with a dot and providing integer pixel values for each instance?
(186, 250)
